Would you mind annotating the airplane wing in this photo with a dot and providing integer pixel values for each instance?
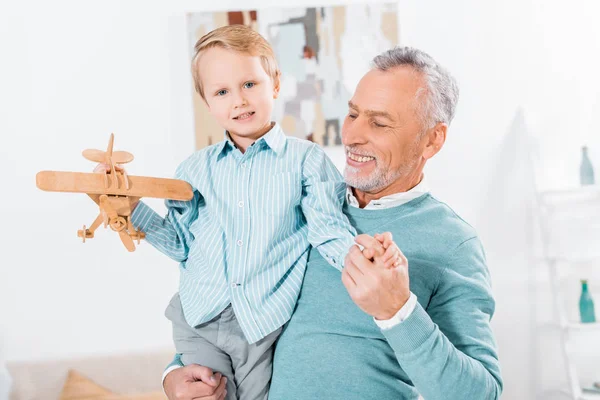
(94, 184)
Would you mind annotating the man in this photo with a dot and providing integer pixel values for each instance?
(377, 333)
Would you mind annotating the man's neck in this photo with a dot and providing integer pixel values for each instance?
(400, 186)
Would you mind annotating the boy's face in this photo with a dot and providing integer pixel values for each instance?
(238, 93)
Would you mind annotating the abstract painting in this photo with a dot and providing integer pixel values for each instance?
(322, 53)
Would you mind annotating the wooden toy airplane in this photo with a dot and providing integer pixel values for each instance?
(114, 191)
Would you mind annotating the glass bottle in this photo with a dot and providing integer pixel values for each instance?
(586, 170)
(586, 304)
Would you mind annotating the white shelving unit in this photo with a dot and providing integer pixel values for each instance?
(570, 235)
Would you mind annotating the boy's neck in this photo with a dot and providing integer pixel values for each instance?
(243, 142)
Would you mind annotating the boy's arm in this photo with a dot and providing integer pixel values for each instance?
(171, 234)
(323, 191)
(451, 340)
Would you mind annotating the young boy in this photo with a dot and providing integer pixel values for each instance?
(261, 199)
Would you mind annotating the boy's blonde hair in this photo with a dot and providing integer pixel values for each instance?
(238, 38)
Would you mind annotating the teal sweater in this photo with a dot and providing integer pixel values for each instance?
(445, 349)
(331, 349)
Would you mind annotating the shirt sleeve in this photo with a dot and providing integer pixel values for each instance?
(451, 341)
(400, 316)
(323, 190)
(171, 234)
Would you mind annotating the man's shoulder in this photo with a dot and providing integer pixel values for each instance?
(448, 217)
(433, 218)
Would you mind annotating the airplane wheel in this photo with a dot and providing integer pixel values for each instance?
(118, 224)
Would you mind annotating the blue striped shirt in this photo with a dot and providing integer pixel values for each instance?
(244, 237)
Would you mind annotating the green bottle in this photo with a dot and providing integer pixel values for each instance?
(586, 304)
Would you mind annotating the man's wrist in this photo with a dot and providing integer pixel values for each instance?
(402, 314)
(169, 369)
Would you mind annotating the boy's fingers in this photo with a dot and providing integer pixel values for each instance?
(369, 242)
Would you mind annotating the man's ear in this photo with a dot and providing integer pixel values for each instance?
(435, 139)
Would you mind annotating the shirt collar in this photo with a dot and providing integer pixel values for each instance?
(275, 138)
(392, 200)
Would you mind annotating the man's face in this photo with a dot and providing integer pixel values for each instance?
(382, 131)
(238, 92)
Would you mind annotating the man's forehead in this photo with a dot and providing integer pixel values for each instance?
(387, 91)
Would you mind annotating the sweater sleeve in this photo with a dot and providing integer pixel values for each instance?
(448, 349)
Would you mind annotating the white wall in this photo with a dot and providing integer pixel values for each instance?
(73, 72)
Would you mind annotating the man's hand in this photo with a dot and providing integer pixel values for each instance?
(195, 382)
(378, 291)
(392, 256)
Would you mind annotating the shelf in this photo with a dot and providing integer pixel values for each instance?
(582, 192)
(578, 259)
(589, 395)
(590, 327)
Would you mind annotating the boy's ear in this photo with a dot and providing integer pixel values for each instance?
(276, 85)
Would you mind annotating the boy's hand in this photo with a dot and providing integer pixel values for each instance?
(105, 168)
(392, 256)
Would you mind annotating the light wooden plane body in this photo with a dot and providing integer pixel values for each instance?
(114, 191)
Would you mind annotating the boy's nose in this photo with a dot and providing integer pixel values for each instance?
(241, 101)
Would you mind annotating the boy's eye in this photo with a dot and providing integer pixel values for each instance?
(222, 92)
(249, 85)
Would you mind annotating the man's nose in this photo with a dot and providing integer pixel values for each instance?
(353, 132)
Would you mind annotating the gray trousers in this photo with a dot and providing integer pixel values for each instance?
(220, 344)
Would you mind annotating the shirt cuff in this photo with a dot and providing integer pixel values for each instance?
(169, 369)
(400, 316)
(142, 217)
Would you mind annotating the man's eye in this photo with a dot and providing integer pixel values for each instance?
(221, 92)
(249, 85)
(379, 125)
(352, 116)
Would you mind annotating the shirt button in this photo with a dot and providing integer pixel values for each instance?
(243, 165)
(240, 204)
(233, 285)
(239, 242)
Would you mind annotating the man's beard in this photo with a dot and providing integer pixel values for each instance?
(380, 178)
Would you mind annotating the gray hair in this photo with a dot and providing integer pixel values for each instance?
(441, 91)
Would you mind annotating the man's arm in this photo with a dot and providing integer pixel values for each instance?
(171, 234)
(323, 191)
(448, 351)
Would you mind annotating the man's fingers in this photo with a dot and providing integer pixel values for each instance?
(394, 257)
(204, 374)
(369, 242)
(201, 391)
(387, 239)
(369, 253)
(347, 280)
